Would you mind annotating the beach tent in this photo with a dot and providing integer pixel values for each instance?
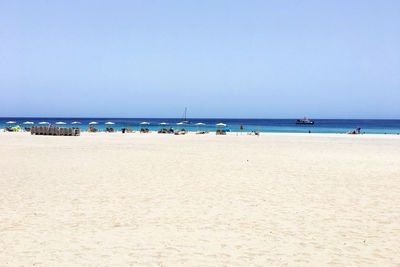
(109, 123)
(29, 122)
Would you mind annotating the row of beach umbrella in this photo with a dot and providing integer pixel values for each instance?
(58, 122)
(109, 123)
(181, 123)
(42, 122)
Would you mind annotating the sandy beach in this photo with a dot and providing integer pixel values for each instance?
(200, 200)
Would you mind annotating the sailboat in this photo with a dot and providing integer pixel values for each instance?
(185, 121)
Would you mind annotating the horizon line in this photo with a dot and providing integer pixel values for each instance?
(196, 118)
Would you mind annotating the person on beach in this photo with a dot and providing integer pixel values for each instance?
(359, 129)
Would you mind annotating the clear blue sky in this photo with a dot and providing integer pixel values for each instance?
(236, 59)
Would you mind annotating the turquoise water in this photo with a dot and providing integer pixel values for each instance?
(263, 125)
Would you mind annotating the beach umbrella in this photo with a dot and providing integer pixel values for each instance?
(220, 125)
(60, 122)
(109, 123)
(75, 122)
(144, 123)
(163, 123)
(199, 124)
(11, 122)
(29, 122)
(44, 122)
(93, 122)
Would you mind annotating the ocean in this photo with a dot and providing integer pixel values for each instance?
(262, 125)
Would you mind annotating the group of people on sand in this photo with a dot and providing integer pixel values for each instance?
(357, 131)
(92, 129)
(16, 128)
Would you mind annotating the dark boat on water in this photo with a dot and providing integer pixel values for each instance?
(305, 121)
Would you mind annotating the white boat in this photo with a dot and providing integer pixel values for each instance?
(304, 121)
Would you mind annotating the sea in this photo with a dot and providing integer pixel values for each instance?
(263, 125)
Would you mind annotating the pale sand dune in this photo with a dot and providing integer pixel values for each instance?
(162, 200)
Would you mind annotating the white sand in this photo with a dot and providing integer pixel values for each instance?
(163, 200)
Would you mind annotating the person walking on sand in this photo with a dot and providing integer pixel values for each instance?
(358, 129)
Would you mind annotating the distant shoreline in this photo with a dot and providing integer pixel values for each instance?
(368, 126)
(192, 133)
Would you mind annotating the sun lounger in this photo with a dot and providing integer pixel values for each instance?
(253, 133)
(77, 131)
(220, 132)
(55, 131)
(126, 130)
(163, 131)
